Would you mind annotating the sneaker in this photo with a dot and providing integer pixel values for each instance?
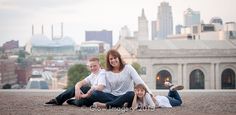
(168, 84)
(125, 105)
(99, 105)
(176, 87)
(70, 101)
(52, 102)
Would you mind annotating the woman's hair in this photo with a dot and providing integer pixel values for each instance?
(115, 54)
(141, 86)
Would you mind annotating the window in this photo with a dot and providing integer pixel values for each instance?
(197, 79)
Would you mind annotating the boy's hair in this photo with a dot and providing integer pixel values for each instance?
(141, 86)
(94, 59)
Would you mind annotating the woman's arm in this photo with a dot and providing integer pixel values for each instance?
(137, 79)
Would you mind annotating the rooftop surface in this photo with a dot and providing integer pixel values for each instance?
(195, 102)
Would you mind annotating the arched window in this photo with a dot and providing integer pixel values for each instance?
(196, 79)
(161, 77)
(228, 79)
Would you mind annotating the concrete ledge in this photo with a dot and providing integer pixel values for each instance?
(195, 102)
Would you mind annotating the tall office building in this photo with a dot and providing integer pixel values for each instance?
(216, 20)
(154, 30)
(191, 17)
(104, 35)
(164, 20)
(124, 32)
(178, 29)
(142, 27)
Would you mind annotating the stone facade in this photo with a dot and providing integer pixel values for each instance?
(194, 64)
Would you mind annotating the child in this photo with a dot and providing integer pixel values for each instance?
(143, 99)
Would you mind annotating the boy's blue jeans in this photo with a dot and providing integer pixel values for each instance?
(70, 93)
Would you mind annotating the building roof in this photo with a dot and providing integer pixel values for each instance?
(43, 41)
(188, 44)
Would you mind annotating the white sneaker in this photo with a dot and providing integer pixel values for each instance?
(168, 84)
(176, 87)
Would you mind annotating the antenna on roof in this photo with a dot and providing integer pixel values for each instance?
(61, 29)
(42, 30)
(32, 29)
(52, 31)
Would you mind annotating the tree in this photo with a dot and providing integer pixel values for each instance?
(50, 57)
(102, 59)
(77, 73)
(137, 67)
(21, 56)
(6, 86)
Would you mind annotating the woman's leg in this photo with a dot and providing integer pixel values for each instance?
(99, 96)
(120, 100)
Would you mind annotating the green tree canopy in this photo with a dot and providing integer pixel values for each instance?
(102, 59)
(137, 67)
(77, 73)
(21, 56)
(50, 57)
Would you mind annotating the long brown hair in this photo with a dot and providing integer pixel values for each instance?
(115, 54)
(142, 87)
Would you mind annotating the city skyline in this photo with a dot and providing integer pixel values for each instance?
(17, 17)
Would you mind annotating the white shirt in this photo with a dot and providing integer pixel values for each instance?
(122, 82)
(162, 101)
(147, 102)
(96, 79)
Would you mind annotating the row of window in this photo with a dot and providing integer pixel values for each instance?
(197, 79)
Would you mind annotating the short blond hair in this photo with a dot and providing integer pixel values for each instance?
(94, 59)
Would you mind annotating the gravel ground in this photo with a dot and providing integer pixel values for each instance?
(196, 102)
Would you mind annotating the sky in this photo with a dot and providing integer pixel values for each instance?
(78, 16)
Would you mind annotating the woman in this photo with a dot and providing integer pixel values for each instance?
(120, 81)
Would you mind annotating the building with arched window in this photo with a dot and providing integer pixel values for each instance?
(196, 64)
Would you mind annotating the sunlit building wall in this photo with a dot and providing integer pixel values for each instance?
(195, 64)
(7, 72)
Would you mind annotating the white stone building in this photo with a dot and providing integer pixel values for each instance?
(196, 64)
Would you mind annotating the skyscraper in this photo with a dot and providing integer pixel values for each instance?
(124, 32)
(104, 35)
(191, 17)
(142, 27)
(164, 20)
(178, 29)
(154, 30)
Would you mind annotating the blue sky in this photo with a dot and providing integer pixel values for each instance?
(17, 16)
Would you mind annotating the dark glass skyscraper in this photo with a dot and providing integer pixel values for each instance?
(104, 35)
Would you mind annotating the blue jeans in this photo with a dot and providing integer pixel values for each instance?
(174, 98)
(113, 101)
(69, 93)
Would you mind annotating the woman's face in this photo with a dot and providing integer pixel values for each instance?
(114, 61)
